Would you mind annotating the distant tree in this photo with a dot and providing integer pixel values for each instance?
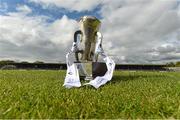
(24, 62)
(6, 61)
(171, 64)
(39, 62)
(178, 64)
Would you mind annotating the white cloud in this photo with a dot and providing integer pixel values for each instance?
(178, 10)
(32, 38)
(72, 5)
(24, 9)
(137, 31)
(165, 48)
(131, 28)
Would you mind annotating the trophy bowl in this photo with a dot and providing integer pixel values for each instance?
(86, 40)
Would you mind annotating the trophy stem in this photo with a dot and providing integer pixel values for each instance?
(88, 69)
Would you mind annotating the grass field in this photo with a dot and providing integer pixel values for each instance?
(39, 94)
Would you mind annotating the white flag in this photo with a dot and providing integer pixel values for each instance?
(99, 81)
(72, 77)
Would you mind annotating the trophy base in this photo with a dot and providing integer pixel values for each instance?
(88, 78)
(90, 70)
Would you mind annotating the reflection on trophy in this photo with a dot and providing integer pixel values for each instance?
(86, 49)
(89, 27)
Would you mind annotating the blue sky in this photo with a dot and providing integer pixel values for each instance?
(134, 31)
(53, 12)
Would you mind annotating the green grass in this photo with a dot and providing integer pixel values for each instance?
(39, 94)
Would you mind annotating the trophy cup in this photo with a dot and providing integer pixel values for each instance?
(87, 47)
(86, 57)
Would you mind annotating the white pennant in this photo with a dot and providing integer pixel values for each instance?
(99, 81)
(72, 76)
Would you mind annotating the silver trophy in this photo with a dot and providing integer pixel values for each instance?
(87, 47)
(87, 39)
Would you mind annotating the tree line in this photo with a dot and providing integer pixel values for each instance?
(11, 61)
(173, 64)
(170, 64)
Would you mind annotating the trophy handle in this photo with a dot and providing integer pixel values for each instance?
(98, 49)
(78, 32)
